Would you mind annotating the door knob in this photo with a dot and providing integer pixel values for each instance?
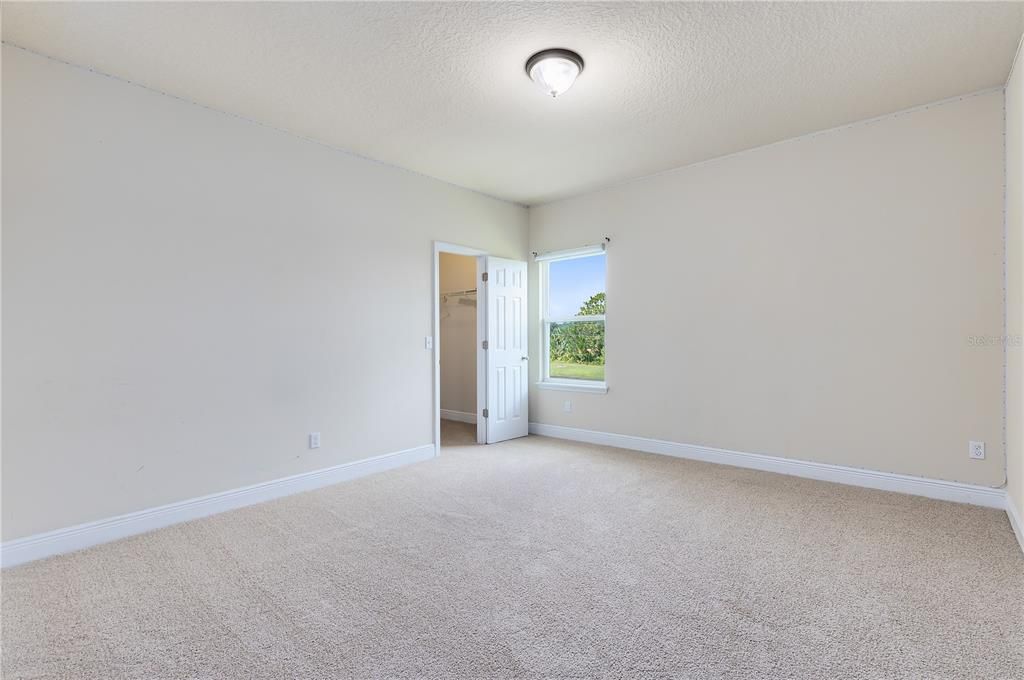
(525, 358)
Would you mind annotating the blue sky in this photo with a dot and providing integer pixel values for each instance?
(573, 282)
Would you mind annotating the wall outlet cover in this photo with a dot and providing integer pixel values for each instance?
(976, 450)
(314, 440)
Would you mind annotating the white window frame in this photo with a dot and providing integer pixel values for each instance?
(545, 381)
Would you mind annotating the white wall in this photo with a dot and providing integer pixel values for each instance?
(186, 295)
(813, 299)
(458, 335)
(1015, 284)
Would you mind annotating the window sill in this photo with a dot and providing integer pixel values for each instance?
(575, 386)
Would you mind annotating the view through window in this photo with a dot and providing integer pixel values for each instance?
(574, 318)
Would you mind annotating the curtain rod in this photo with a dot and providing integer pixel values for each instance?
(582, 250)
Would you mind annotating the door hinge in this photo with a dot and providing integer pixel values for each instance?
(485, 344)
(485, 276)
(485, 413)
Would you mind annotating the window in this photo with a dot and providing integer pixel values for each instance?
(573, 320)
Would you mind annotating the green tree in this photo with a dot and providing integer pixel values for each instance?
(593, 306)
(580, 342)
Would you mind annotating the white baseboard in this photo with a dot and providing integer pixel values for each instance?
(886, 481)
(460, 416)
(61, 541)
(1016, 521)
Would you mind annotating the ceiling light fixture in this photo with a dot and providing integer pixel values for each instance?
(554, 70)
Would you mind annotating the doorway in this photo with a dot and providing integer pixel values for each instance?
(459, 307)
(479, 343)
(458, 333)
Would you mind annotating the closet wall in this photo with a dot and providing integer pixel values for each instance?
(458, 338)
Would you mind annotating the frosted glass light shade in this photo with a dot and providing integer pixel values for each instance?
(555, 70)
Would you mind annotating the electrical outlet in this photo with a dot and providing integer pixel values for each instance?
(314, 440)
(567, 406)
(976, 450)
(428, 342)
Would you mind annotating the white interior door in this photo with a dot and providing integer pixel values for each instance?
(507, 361)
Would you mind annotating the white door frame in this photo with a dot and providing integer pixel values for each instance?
(481, 334)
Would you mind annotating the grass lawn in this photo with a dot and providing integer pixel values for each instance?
(567, 369)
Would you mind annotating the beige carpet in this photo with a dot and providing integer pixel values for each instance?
(539, 558)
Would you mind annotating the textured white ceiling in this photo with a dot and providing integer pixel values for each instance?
(439, 87)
